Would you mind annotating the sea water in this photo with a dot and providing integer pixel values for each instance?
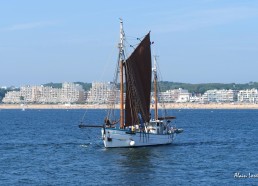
(46, 147)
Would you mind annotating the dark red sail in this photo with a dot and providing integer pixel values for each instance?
(138, 84)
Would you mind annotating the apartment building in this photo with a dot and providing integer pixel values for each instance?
(12, 97)
(248, 96)
(219, 96)
(175, 95)
(72, 93)
(69, 93)
(48, 95)
(102, 93)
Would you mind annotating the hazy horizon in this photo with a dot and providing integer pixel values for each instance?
(203, 41)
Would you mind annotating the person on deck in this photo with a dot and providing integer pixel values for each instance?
(107, 122)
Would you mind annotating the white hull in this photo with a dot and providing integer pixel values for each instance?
(119, 138)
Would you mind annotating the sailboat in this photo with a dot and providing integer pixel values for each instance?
(136, 127)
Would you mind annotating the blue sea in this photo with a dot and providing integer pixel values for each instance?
(46, 147)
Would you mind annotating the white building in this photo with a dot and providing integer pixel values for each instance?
(175, 95)
(103, 92)
(184, 96)
(220, 96)
(48, 95)
(69, 93)
(195, 99)
(12, 97)
(248, 96)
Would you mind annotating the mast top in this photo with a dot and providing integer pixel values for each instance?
(122, 34)
(154, 69)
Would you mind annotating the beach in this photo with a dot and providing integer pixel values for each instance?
(104, 106)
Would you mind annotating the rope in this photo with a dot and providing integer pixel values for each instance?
(83, 116)
(164, 110)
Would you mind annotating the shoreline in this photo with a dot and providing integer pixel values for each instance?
(104, 106)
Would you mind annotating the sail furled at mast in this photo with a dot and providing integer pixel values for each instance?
(138, 83)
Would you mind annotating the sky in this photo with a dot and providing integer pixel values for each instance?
(200, 41)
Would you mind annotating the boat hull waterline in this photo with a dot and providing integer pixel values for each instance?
(123, 138)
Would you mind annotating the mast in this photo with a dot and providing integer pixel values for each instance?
(121, 61)
(155, 87)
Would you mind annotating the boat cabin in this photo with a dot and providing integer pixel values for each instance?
(156, 127)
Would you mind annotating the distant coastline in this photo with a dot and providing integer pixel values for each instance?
(104, 106)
